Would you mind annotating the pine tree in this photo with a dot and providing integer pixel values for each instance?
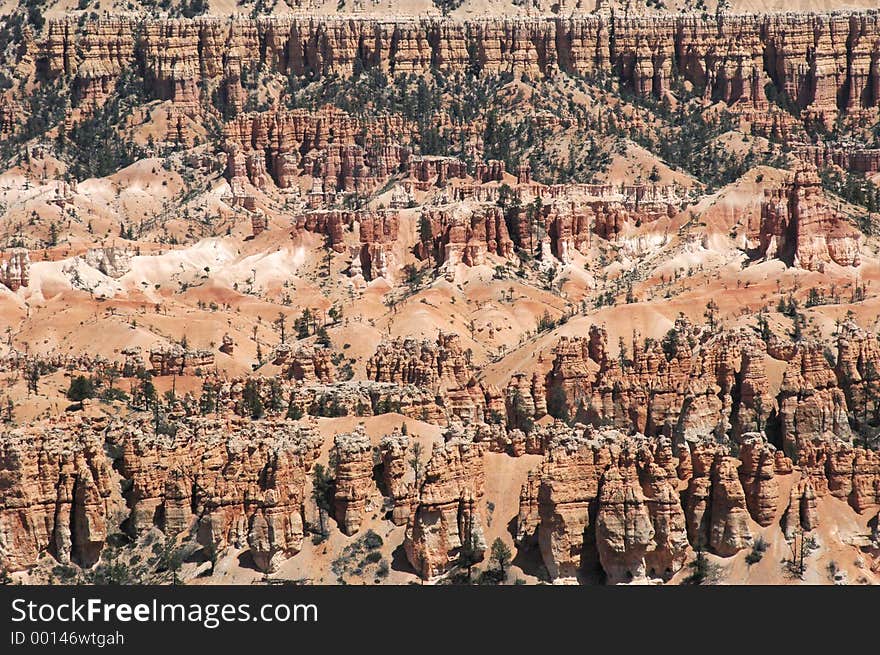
(251, 401)
(323, 490)
(501, 555)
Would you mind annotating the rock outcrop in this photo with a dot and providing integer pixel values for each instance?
(15, 270)
(57, 484)
(176, 360)
(729, 530)
(335, 152)
(237, 485)
(307, 364)
(800, 227)
(467, 235)
(820, 63)
(111, 261)
(438, 365)
(394, 451)
(624, 530)
(353, 455)
(757, 474)
(447, 514)
(378, 235)
(601, 500)
(697, 382)
(245, 483)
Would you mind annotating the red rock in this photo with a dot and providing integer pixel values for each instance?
(394, 450)
(15, 271)
(667, 516)
(446, 515)
(758, 477)
(624, 530)
(800, 227)
(354, 478)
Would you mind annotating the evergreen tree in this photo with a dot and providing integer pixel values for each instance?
(251, 401)
(323, 490)
(80, 388)
(501, 556)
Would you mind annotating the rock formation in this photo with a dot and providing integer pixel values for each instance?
(800, 227)
(624, 530)
(758, 477)
(15, 271)
(305, 363)
(111, 261)
(727, 55)
(354, 478)
(729, 530)
(667, 517)
(467, 235)
(176, 360)
(438, 365)
(602, 499)
(695, 382)
(246, 484)
(237, 484)
(447, 514)
(57, 484)
(394, 450)
(378, 236)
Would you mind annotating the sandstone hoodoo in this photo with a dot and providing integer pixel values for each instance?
(599, 502)
(801, 227)
(237, 486)
(733, 57)
(485, 294)
(15, 270)
(446, 517)
(354, 470)
(695, 381)
(394, 450)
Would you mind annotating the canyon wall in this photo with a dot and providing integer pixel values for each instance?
(800, 226)
(236, 484)
(602, 501)
(822, 63)
(696, 381)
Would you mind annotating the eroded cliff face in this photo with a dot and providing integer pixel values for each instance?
(346, 153)
(698, 381)
(447, 516)
(823, 63)
(466, 235)
(244, 483)
(396, 477)
(627, 507)
(354, 478)
(56, 495)
(800, 226)
(236, 484)
(440, 368)
(603, 501)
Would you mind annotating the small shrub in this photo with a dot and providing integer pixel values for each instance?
(372, 541)
(758, 550)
